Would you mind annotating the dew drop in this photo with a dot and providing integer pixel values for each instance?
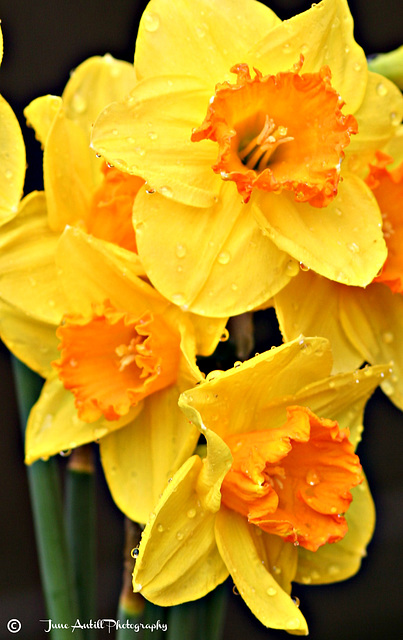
(79, 103)
(312, 478)
(276, 570)
(152, 135)
(160, 528)
(292, 268)
(179, 535)
(388, 337)
(9, 174)
(296, 601)
(134, 552)
(304, 48)
(353, 247)
(357, 67)
(224, 336)
(178, 298)
(65, 453)
(394, 118)
(303, 267)
(286, 48)
(191, 513)
(333, 570)
(166, 191)
(151, 21)
(381, 89)
(271, 591)
(223, 257)
(180, 250)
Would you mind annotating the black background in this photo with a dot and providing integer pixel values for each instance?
(43, 41)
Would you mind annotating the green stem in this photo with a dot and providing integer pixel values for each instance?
(212, 615)
(46, 500)
(80, 529)
(154, 618)
(183, 621)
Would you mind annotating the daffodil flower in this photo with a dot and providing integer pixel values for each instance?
(362, 324)
(12, 158)
(279, 495)
(251, 134)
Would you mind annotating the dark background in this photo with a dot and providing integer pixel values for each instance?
(43, 42)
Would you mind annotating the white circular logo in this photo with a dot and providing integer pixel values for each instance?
(14, 625)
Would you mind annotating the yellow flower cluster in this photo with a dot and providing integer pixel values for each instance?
(242, 162)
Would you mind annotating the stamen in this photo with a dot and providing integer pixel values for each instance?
(256, 154)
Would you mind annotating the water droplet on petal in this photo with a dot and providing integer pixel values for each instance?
(296, 601)
(180, 250)
(191, 513)
(224, 336)
(294, 623)
(160, 528)
(179, 535)
(357, 67)
(312, 478)
(223, 257)
(353, 247)
(333, 570)
(292, 268)
(134, 552)
(271, 591)
(388, 337)
(303, 267)
(151, 21)
(79, 103)
(381, 89)
(166, 191)
(394, 118)
(178, 298)
(65, 453)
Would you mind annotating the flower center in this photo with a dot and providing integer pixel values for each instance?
(111, 360)
(276, 132)
(294, 481)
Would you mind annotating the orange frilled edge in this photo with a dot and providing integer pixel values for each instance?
(294, 481)
(387, 187)
(110, 214)
(276, 132)
(111, 360)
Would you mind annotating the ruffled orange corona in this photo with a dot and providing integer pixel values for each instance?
(110, 216)
(112, 360)
(388, 190)
(294, 481)
(283, 131)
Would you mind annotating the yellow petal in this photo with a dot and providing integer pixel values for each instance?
(255, 583)
(208, 332)
(310, 305)
(68, 175)
(12, 162)
(53, 425)
(390, 65)
(342, 397)
(40, 114)
(341, 560)
(342, 242)
(28, 278)
(378, 119)
(373, 321)
(324, 35)
(141, 459)
(93, 85)
(33, 341)
(140, 137)
(178, 557)
(92, 270)
(213, 37)
(234, 272)
(241, 398)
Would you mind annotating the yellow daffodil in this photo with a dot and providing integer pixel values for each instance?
(251, 133)
(125, 354)
(279, 496)
(12, 158)
(362, 324)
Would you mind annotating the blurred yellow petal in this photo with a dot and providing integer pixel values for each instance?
(140, 459)
(257, 586)
(12, 162)
(378, 119)
(211, 34)
(373, 321)
(28, 278)
(390, 65)
(31, 340)
(310, 305)
(234, 270)
(93, 85)
(53, 425)
(242, 395)
(139, 137)
(40, 114)
(341, 560)
(324, 35)
(1, 45)
(343, 242)
(178, 556)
